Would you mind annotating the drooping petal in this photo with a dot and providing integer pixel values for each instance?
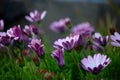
(59, 56)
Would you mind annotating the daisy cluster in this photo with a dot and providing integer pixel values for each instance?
(82, 35)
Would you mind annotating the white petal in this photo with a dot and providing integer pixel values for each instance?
(43, 14)
(2, 23)
(117, 34)
(115, 44)
(29, 18)
(97, 35)
(32, 14)
(91, 62)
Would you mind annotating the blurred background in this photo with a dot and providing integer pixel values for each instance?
(97, 12)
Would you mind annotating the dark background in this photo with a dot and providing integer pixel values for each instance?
(13, 12)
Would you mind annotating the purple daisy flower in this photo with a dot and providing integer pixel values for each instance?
(32, 29)
(99, 40)
(15, 33)
(1, 24)
(85, 29)
(27, 36)
(27, 30)
(116, 39)
(59, 56)
(36, 45)
(31, 32)
(78, 39)
(96, 63)
(60, 26)
(65, 43)
(97, 48)
(4, 39)
(36, 16)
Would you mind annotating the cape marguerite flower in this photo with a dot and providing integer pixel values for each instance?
(60, 26)
(116, 39)
(96, 63)
(59, 56)
(36, 16)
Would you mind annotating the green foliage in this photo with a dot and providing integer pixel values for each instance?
(15, 66)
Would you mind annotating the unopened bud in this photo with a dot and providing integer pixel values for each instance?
(20, 61)
(48, 76)
(112, 30)
(36, 61)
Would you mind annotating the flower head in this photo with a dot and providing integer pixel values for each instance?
(15, 33)
(26, 53)
(1, 24)
(32, 29)
(84, 29)
(36, 60)
(96, 48)
(112, 30)
(65, 43)
(60, 26)
(99, 40)
(59, 56)
(96, 63)
(36, 45)
(78, 39)
(27, 30)
(116, 39)
(36, 16)
(30, 32)
(4, 39)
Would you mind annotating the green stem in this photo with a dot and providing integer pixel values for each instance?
(21, 76)
(38, 73)
(75, 61)
(32, 70)
(12, 59)
(8, 52)
(63, 73)
(46, 64)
